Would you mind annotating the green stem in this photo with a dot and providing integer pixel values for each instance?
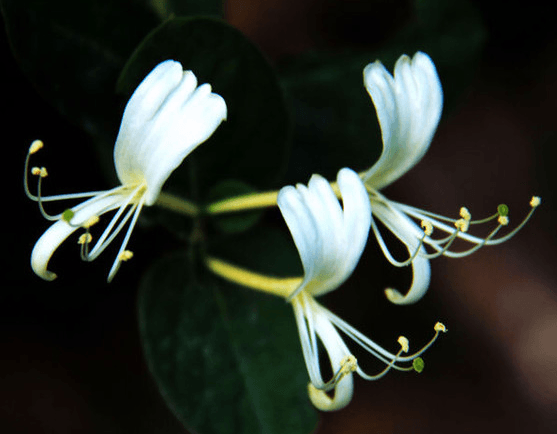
(177, 204)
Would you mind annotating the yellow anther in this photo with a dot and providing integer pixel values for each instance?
(440, 327)
(39, 171)
(535, 201)
(503, 220)
(405, 345)
(85, 238)
(427, 227)
(35, 146)
(465, 214)
(348, 364)
(462, 224)
(126, 255)
(90, 222)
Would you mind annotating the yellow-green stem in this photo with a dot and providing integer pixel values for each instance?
(281, 286)
(177, 204)
(250, 201)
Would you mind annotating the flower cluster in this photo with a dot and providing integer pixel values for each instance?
(166, 118)
(169, 115)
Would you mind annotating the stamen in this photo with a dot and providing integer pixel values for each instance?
(93, 220)
(503, 220)
(126, 255)
(535, 201)
(404, 344)
(35, 146)
(427, 227)
(462, 224)
(465, 214)
(85, 238)
(39, 171)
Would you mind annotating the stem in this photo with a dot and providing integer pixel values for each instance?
(250, 201)
(242, 203)
(177, 204)
(281, 286)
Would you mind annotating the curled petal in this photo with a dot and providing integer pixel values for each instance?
(410, 234)
(55, 235)
(329, 239)
(167, 117)
(408, 106)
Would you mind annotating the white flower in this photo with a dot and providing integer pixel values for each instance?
(408, 107)
(166, 118)
(330, 241)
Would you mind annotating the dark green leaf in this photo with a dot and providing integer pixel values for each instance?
(73, 51)
(226, 359)
(252, 144)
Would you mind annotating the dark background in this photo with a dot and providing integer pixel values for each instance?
(70, 356)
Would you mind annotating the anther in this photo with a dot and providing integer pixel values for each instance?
(427, 227)
(462, 224)
(535, 201)
(503, 220)
(405, 345)
(35, 146)
(39, 171)
(126, 255)
(85, 238)
(440, 327)
(465, 214)
(90, 222)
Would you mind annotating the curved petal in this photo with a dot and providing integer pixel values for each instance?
(167, 117)
(337, 351)
(410, 234)
(56, 234)
(408, 107)
(330, 240)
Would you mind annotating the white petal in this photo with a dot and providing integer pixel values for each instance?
(330, 240)
(337, 351)
(408, 108)
(166, 118)
(410, 234)
(55, 235)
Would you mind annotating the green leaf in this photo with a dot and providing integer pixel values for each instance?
(73, 51)
(226, 359)
(252, 144)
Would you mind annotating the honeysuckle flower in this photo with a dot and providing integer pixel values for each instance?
(408, 106)
(330, 241)
(166, 118)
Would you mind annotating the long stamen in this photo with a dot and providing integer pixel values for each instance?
(385, 249)
(404, 346)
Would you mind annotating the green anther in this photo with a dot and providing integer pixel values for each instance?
(503, 210)
(67, 215)
(418, 364)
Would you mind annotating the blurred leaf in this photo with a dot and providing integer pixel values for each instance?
(73, 51)
(237, 221)
(165, 9)
(335, 121)
(252, 144)
(226, 359)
